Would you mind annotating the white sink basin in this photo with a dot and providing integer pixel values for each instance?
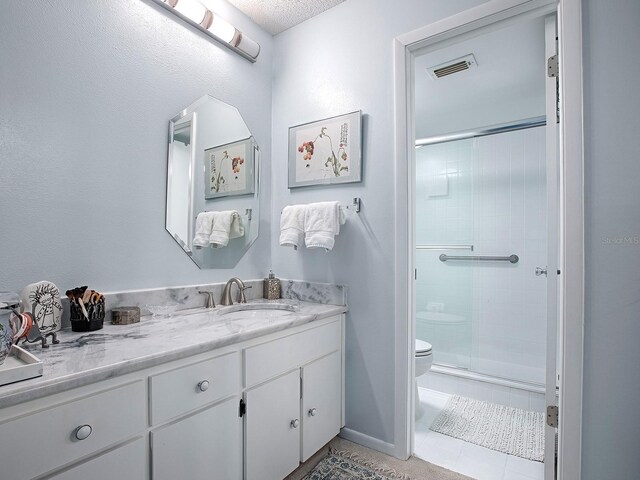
(256, 310)
(254, 314)
(245, 310)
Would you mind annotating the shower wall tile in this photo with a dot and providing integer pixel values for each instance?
(537, 402)
(519, 399)
(501, 394)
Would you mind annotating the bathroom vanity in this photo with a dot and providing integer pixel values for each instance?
(200, 395)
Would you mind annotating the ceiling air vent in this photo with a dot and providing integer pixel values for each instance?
(452, 66)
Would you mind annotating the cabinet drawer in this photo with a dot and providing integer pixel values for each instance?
(128, 462)
(278, 356)
(183, 389)
(51, 434)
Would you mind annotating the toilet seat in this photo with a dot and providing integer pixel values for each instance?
(423, 348)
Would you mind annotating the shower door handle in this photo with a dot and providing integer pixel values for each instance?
(541, 271)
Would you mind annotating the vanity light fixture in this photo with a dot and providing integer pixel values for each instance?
(216, 27)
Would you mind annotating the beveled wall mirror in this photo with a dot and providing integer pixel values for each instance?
(213, 183)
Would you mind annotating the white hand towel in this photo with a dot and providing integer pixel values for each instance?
(226, 225)
(204, 224)
(322, 223)
(292, 226)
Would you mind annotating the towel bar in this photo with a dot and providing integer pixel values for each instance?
(247, 213)
(445, 247)
(483, 258)
(356, 206)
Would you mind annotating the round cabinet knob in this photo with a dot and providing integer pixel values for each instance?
(295, 423)
(312, 412)
(82, 432)
(203, 386)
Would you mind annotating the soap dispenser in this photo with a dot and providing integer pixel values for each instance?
(272, 287)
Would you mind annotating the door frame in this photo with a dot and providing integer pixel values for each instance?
(571, 319)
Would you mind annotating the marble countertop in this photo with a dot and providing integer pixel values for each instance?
(82, 358)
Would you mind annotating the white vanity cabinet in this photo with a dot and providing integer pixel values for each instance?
(291, 415)
(187, 418)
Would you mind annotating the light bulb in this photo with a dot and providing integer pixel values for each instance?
(222, 29)
(248, 46)
(191, 9)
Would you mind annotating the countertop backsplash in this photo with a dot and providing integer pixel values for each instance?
(188, 296)
(315, 292)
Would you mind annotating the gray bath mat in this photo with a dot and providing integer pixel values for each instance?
(505, 429)
(337, 467)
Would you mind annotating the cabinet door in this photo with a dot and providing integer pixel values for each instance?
(272, 428)
(321, 402)
(207, 445)
(128, 462)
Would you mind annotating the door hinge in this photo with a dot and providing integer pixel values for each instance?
(553, 71)
(415, 274)
(301, 384)
(552, 66)
(552, 415)
(243, 408)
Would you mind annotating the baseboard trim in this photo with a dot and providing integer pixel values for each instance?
(367, 441)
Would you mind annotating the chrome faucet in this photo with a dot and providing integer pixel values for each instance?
(226, 293)
(209, 302)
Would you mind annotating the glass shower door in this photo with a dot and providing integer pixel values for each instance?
(480, 197)
(444, 225)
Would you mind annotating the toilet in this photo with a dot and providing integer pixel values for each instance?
(424, 359)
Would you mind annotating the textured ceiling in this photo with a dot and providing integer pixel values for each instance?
(276, 16)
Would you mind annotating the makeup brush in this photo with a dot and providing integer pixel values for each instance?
(86, 296)
(78, 294)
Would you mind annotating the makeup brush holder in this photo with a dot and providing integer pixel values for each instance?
(80, 323)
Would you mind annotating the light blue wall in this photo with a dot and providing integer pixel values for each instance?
(86, 92)
(611, 435)
(338, 62)
(87, 88)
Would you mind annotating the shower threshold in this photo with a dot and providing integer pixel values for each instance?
(481, 377)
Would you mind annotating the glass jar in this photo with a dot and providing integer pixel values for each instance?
(8, 300)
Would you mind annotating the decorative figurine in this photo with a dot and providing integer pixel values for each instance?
(42, 299)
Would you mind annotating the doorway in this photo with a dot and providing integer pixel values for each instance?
(470, 311)
(481, 215)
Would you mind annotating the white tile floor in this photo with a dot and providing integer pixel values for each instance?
(464, 457)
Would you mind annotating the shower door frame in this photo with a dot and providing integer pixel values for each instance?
(571, 216)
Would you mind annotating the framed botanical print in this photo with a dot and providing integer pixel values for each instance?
(326, 152)
(229, 169)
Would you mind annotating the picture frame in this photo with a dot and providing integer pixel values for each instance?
(326, 152)
(229, 169)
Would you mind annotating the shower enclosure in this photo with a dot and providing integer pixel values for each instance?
(481, 231)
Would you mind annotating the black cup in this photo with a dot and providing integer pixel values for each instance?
(79, 322)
